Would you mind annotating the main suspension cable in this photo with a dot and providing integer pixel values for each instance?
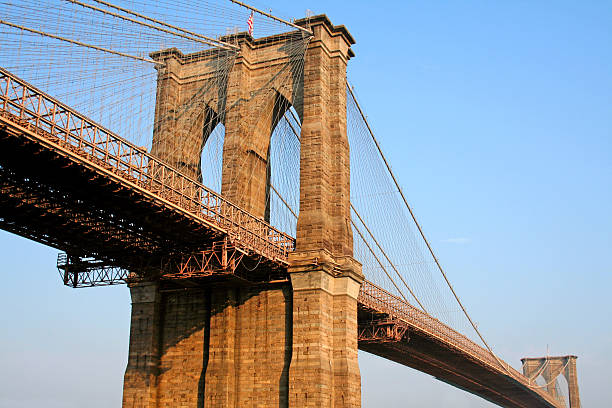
(417, 223)
(371, 235)
(131, 20)
(211, 41)
(82, 44)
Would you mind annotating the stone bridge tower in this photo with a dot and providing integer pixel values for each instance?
(550, 368)
(290, 343)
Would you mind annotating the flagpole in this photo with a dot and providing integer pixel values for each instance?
(250, 24)
(272, 17)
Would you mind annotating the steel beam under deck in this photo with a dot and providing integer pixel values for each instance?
(49, 198)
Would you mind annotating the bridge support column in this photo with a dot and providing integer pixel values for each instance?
(324, 368)
(250, 347)
(260, 345)
(168, 347)
(140, 381)
(571, 376)
(325, 277)
(220, 347)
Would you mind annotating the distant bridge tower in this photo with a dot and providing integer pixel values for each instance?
(550, 368)
(274, 344)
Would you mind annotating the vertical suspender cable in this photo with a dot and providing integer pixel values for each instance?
(371, 235)
(399, 189)
(388, 260)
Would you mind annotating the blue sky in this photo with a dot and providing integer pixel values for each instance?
(497, 119)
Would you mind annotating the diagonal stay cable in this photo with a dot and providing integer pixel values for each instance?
(420, 229)
(367, 245)
(379, 262)
(387, 258)
(505, 366)
(371, 235)
(283, 200)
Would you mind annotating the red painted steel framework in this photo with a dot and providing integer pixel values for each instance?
(67, 130)
(69, 144)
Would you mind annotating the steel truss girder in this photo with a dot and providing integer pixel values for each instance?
(222, 259)
(34, 115)
(78, 272)
(385, 330)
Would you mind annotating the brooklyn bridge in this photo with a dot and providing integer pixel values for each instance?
(233, 182)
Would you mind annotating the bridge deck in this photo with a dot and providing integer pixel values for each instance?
(37, 117)
(70, 183)
(432, 347)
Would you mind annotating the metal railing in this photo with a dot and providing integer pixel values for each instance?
(47, 118)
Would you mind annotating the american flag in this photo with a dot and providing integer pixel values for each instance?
(250, 24)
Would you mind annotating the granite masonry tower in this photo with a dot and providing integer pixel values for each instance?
(550, 368)
(285, 343)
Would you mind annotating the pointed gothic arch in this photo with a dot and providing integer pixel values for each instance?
(283, 200)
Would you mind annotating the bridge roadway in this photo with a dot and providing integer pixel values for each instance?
(69, 183)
